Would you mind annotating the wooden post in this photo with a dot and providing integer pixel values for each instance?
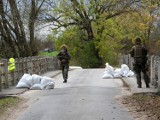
(16, 70)
(56, 64)
(5, 72)
(151, 69)
(154, 71)
(1, 76)
(45, 64)
(32, 61)
(159, 75)
(42, 64)
(120, 56)
(55, 61)
(21, 67)
(12, 78)
(25, 67)
(50, 65)
(38, 66)
(129, 61)
(29, 65)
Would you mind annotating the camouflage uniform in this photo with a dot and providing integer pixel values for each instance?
(64, 58)
(139, 54)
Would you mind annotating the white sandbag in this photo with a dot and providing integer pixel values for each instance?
(118, 70)
(26, 81)
(36, 79)
(35, 82)
(125, 70)
(45, 82)
(22, 85)
(50, 85)
(108, 72)
(107, 75)
(109, 68)
(36, 87)
(116, 74)
(130, 74)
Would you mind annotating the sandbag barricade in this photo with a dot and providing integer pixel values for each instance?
(110, 72)
(35, 82)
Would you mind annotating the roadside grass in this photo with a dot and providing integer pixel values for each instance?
(149, 103)
(54, 54)
(7, 103)
(50, 54)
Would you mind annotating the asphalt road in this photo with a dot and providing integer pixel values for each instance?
(86, 96)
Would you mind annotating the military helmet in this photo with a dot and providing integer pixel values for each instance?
(138, 40)
(64, 46)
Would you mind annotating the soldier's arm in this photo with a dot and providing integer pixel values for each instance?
(60, 56)
(69, 56)
(131, 52)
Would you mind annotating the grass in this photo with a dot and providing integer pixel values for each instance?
(6, 103)
(51, 54)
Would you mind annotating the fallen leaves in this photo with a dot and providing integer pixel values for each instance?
(143, 106)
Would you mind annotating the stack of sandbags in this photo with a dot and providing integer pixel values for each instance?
(110, 72)
(126, 72)
(35, 82)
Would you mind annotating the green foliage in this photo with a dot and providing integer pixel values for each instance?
(100, 33)
(51, 54)
(86, 55)
(82, 52)
(108, 42)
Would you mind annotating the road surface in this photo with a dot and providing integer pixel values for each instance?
(86, 96)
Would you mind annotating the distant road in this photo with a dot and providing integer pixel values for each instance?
(86, 96)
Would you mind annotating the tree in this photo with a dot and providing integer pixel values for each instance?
(90, 16)
(32, 19)
(14, 33)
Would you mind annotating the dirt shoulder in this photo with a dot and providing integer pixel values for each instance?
(12, 111)
(142, 106)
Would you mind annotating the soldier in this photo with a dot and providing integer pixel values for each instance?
(11, 66)
(64, 58)
(139, 54)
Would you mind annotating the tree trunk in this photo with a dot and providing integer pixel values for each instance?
(31, 26)
(19, 30)
(6, 34)
(32, 19)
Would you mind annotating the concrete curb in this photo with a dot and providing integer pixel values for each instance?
(131, 84)
(125, 84)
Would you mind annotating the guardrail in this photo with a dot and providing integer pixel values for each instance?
(31, 65)
(154, 68)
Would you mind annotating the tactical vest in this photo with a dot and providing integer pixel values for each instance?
(139, 55)
(138, 51)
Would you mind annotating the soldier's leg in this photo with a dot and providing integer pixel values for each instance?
(66, 68)
(137, 70)
(63, 71)
(138, 76)
(145, 77)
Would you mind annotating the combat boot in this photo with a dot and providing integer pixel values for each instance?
(147, 86)
(139, 86)
(65, 81)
